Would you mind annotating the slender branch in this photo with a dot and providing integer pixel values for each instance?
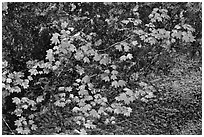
(8, 126)
(115, 44)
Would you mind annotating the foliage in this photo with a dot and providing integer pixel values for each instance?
(91, 69)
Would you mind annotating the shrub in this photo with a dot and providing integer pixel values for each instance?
(86, 75)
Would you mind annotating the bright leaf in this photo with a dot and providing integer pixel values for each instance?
(113, 77)
(55, 39)
(86, 79)
(104, 60)
(34, 127)
(86, 60)
(16, 100)
(134, 43)
(126, 48)
(121, 83)
(107, 71)
(82, 132)
(129, 56)
(118, 47)
(94, 113)
(39, 99)
(113, 66)
(68, 89)
(97, 57)
(123, 58)
(76, 109)
(114, 72)
(106, 78)
(115, 84)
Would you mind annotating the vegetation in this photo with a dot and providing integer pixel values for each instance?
(102, 68)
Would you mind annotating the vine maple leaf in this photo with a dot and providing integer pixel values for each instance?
(121, 83)
(118, 47)
(16, 100)
(97, 57)
(106, 78)
(55, 39)
(104, 60)
(94, 113)
(115, 84)
(126, 48)
(123, 58)
(113, 77)
(86, 60)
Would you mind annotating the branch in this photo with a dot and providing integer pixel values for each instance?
(115, 44)
(8, 126)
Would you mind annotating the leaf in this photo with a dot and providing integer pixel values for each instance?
(126, 47)
(86, 107)
(55, 39)
(76, 109)
(113, 77)
(114, 72)
(94, 113)
(78, 80)
(149, 95)
(85, 79)
(8, 80)
(86, 60)
(129, 56)
(31, 116)
(79, 55)
(104, 60)
(64, 25)
(18, 112)
(134, 43)
(97, 57)
(39, 99)
(34, 127)
(98, 43)
(123, 58)
(16, 89)
(19, 130)
(50, 55)
(113, 66)
(106, 78)
(72, 48)
(18, 123)
(26, 131)
(129, 110)
(107, 71)
(24, 106)
(31, 122)
(117, 111)
(82, 132)
(143, 84)
(125, 21)
(129, 92)
(177, 27)
(121, 83)
(121, 97)
(61, 88)
(89, 124)
(16, 100)
(68, 89)
(115, 84)
(118, 47)
(30, 78)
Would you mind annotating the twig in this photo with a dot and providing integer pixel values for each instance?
(8, 126)
(115, 44)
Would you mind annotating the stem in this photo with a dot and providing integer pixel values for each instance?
(115, 44)
(8, 126)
